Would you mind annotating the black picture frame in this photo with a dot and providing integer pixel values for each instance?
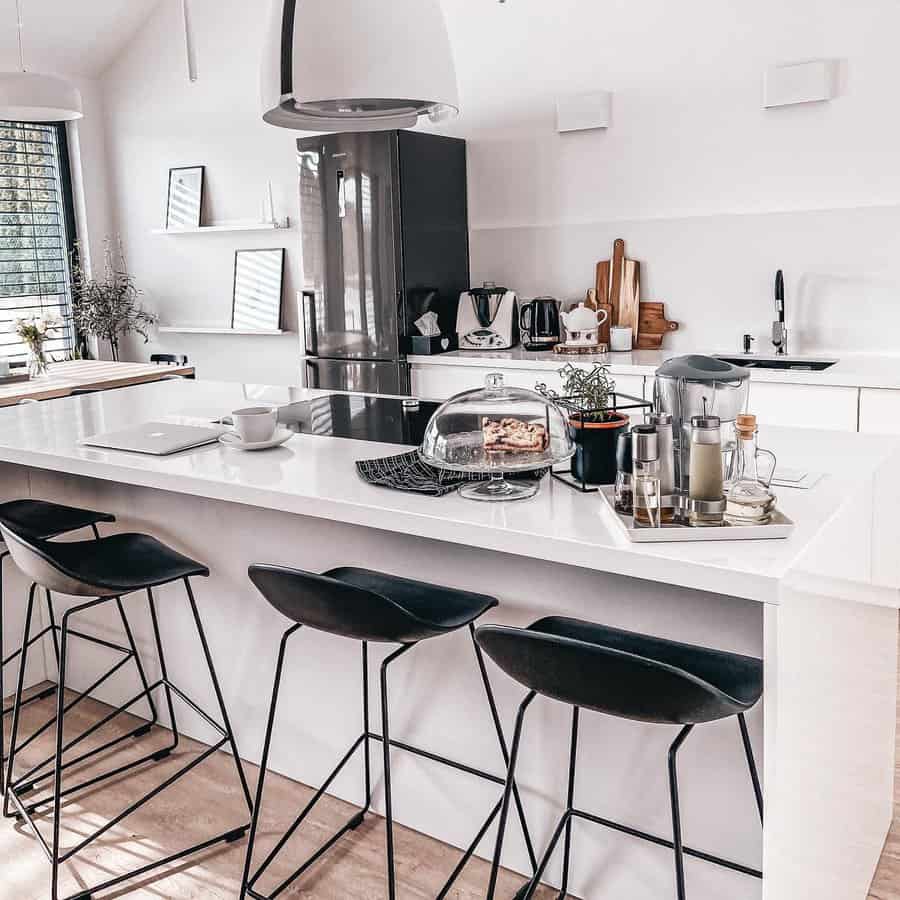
(201, 171)
(234, 291)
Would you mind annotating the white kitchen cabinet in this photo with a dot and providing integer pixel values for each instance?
(804, 405)
(879, 411)
(437, 382)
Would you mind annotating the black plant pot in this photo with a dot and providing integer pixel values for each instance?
(594, 461)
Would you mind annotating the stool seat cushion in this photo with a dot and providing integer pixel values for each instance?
(623, 673)
(119, 564)
(41, 519)
(443, 608)
(366, 605)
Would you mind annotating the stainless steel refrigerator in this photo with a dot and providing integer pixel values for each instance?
(384, 238)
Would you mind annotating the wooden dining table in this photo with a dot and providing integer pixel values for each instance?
(86, 374)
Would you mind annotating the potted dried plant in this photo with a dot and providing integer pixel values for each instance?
(108, 308)
(595, 428)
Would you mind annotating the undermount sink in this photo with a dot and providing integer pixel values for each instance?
(793, 363)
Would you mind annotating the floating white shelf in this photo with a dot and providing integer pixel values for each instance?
(202, 329)
(227, 226)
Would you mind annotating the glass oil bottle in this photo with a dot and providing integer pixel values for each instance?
(645, 485)
(748, 500)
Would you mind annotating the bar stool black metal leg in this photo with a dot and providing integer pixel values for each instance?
(676, 814)
(479, 655)
(570, 805)
(264, 762)
(126, 625)
(54, 631)
(507, 794)
(386, 746)
(163, 671)
(221, 700)
(17, 706)
(367, 761)
(751, 762)
(57, 764)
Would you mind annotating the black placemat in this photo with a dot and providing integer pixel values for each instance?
(407, 472)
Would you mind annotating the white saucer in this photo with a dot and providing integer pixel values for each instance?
(230, 439)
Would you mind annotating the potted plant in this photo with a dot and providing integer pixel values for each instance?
(593, 426)
(33, 331)
(108, 308)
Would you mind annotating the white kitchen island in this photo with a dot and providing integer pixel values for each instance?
(820, 608)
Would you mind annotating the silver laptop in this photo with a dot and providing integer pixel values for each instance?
(155, 438)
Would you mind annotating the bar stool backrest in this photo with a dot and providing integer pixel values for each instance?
(331, 605)
(36, 563)
(605, 679)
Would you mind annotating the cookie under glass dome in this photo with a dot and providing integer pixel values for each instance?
(497, 430)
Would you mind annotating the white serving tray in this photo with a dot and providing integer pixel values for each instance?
(779, 527)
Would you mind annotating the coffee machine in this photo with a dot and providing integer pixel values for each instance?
(539, 323)
(688, 386)
(488, 318)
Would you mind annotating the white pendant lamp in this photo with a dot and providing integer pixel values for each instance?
(29, 97)
(357, 65)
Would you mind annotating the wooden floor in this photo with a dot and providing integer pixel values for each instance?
(208, 801)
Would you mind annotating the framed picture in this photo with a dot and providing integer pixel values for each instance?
(185, 200)
(258, 287)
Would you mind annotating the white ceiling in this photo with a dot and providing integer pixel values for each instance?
(70, 37)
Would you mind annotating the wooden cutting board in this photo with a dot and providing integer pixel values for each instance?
(615, 279)
(630, 298)
(601, 283)
(603, 333)
(654, 325)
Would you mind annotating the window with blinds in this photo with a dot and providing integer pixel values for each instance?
(36, 234)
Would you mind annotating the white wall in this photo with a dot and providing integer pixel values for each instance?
(156, 119)
(710, 191)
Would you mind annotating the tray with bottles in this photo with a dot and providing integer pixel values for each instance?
(778, 527)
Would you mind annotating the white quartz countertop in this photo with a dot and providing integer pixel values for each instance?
(858, 370)
(839, 536)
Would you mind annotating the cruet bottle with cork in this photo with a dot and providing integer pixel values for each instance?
(706, 503)
(748, 499)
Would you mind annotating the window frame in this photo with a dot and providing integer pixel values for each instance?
(69, 224)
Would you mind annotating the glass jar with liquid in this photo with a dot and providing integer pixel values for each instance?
(706, 504)
(645, 484)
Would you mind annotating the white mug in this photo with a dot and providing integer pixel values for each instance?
(255, 424)
(4, 367)
(620, 338)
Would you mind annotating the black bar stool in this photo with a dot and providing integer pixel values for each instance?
(106, 570)
(39, 519)
(369, 607)
(631, 676)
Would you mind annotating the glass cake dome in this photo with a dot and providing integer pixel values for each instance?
(497, 430)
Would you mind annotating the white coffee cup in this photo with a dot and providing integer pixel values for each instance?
(4, 367)
(255, 424)
(620, 338)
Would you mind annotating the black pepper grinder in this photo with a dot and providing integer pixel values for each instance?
(624, 495)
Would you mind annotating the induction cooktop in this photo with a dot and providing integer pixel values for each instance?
(387, 420)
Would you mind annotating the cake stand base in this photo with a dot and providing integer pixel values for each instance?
(499, 489)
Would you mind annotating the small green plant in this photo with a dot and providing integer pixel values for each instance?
(585, 393)
(109, 308)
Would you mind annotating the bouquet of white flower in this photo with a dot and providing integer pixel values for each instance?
(34, 330)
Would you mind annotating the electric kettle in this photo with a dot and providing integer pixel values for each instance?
(539, 323)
